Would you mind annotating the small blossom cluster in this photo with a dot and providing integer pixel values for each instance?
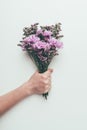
(42, 39)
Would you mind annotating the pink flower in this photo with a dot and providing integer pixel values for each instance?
(55, 42)
(41, 45)
(44, 33)
(31, 39)
(39, 32)
(47, 33)
(59, 44)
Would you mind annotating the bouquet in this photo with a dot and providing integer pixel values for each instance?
(42, 44)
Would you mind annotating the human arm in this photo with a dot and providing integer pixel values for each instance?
(37, 84)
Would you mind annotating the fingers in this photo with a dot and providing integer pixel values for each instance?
(48, 85)
(48, 72)
(47, 88)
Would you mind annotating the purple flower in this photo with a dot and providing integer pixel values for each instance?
(54, 42)
(44, 33)
(59, 44)
(41, 45)
(39, 32)
(31, 39)
(47, 33)
(42, 58)
(48, 46)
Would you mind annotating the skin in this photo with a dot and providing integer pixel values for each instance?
(37, 84)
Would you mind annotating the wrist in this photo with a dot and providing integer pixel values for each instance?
(27, 88)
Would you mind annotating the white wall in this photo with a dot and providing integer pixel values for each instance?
(66, 107)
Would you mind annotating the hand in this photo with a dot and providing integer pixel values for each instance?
(39, 83)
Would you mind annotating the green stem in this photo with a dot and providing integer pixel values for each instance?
(42, 67)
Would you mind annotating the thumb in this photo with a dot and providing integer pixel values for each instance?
(50, 70)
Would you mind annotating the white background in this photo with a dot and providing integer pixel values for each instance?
(66, 107)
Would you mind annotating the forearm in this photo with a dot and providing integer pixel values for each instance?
(37, 84)
(10, 99)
